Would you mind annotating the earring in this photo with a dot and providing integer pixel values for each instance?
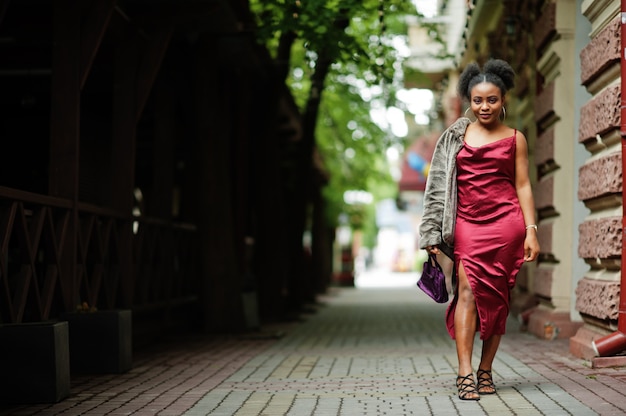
(503, 112)
(466, 110)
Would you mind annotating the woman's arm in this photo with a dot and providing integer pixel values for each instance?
(434, 198)
(525, 197)
(440, 198)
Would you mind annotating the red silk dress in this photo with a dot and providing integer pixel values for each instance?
(489, 233)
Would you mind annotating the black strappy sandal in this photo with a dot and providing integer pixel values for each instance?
(485, 381)
(466, 387)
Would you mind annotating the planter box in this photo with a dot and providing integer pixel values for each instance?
(100, 342)
(34, 362)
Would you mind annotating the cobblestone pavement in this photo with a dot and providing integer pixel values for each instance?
(367, 351)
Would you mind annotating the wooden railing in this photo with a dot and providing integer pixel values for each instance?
(56, 254)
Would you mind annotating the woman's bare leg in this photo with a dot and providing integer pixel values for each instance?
(490, 348)
(465, 325)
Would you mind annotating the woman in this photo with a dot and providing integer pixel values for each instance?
(479, 211)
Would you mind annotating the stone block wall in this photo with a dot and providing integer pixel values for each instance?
(600, 241)
(600, 179)
(554, 191)
(544, 152)
(545, 158)
(545, 29)
(600, 115)
(599, 299)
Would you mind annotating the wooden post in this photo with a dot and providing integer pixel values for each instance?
(279, 123)
(4, 4)
(221, 290)
(65, 132)
(123, 156)
(160, 197)
(124, 125)
(137, 64)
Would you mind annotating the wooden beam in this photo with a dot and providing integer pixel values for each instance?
(95, 23)
(150, 63)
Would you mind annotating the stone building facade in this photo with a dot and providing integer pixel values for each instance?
(600, 178)
(554, 117)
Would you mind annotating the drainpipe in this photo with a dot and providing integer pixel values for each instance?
(616, 342)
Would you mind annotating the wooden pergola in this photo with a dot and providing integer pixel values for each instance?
(144, 145)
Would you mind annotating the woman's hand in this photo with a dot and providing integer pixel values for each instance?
(531, 245)
(433, 250)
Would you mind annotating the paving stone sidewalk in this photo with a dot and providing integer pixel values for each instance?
(380, 351)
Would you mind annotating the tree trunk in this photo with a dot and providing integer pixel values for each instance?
(300, 291)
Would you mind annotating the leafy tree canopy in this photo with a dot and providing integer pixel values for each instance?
(358, 36)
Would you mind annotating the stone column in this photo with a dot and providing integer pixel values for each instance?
(555, 164)
(600, 179)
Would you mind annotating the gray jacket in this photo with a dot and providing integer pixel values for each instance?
(440, 197)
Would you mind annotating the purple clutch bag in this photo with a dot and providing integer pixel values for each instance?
(433, 280)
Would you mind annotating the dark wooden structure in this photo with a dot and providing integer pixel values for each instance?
(145, 165)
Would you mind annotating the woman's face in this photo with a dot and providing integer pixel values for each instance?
(486, 102)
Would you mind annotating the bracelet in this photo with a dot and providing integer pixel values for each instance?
(532, 226)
